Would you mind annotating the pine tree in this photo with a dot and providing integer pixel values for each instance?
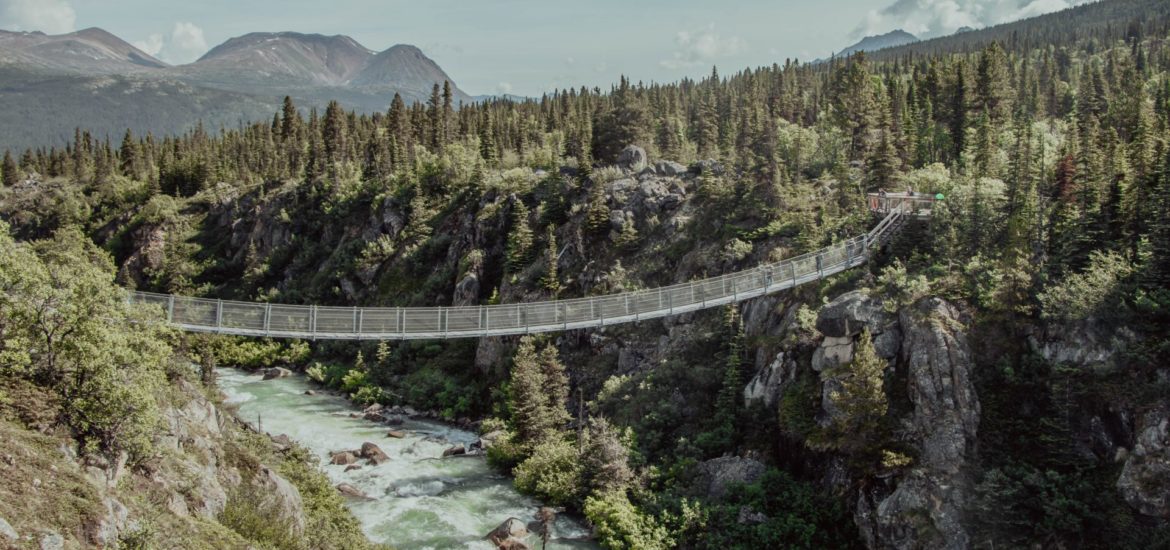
(862, 397)
(448, 113)
(537, 394)
(129, 156)
(290, 121)
(10, 171)
(434, 116)
(519, 246)
(549, 281)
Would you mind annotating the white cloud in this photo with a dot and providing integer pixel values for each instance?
(931, 18)
(48, 16)
(187, 43)
(152, 45)
(703, 47)
(184, 44)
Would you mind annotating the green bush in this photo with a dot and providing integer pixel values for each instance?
(553, 472)
(619, 525)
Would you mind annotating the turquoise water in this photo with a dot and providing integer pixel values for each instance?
(418, 501)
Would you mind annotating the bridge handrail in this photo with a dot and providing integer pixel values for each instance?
(342, 322)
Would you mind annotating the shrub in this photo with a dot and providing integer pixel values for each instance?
(553, 472)
(1089, 292)
(619, 525)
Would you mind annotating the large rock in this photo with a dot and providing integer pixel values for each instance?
(287, 499)
(511, 529)
(852, 312)
(351, 491)
(343, 458)
(7, 533)
(938, 357)
(277, 372)
(719, 474)
(632, 158)
(768, 385)
(1145, 479)
(374, 453)
(925, 507)
(52, 540)
(669, 168)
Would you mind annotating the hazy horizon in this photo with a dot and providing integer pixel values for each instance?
(527, 48)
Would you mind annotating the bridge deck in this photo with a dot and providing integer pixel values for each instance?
(395, 323)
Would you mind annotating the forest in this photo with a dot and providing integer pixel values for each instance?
(1051, 145)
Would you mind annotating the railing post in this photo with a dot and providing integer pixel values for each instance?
(820, 266)
(444, 320)
(361, 317)
(218, 315)
(267, 318)
(670, 302)
(313, 322)
(171, 308)
(400, 321)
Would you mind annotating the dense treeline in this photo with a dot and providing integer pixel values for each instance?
(1051, 145)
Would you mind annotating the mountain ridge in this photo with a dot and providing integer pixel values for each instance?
(892, 39)
(53, 82)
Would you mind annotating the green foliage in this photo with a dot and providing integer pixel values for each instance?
(898, 288)
(552, 472)
(619, 525)
(538, 392)
(792, 515)
(1093, 292)
(255, 354)
(861, 400)
(519, 245)
(68, 329)
(257, 517)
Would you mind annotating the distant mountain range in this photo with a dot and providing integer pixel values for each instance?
(874, 43)
(95, 80)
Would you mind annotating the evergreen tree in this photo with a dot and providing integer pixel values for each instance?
(9, 170)
(549, 281)
(519, 246)
(129, 156)
(861, 398)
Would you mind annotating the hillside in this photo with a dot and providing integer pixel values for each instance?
(88, 51)
(874, 43)
(53, 83)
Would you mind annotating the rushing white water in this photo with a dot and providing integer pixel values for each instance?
(419, 501)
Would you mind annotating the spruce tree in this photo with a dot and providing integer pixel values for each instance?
(549, 281)
(519, 245)
(862, 397)
(129, 156)
(10, 171)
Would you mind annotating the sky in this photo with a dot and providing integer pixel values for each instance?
(528, 47)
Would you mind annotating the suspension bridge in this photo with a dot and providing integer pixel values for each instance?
(313, 322)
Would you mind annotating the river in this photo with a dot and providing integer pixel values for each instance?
(419, 501)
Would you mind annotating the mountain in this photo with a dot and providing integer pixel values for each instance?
(52, 83)
(874, 43)
(89, 51)
(305, 58)
(403, 66)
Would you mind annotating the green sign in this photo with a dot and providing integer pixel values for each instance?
(939, 197)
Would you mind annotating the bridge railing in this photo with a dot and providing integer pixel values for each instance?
(320, 322)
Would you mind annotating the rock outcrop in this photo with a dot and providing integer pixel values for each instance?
(1144, 478)
(925, 507)
(632, 158)
(719, 474)
(508, 533)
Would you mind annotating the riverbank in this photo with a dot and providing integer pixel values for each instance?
(415, 500)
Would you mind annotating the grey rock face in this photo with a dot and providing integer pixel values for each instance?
(769, 383)
(632, 158)
(1144, 478)
(946, 409)
(851, 313)
(719, 474)
(707, 167)
(52, 540)
(7, 532)
(925, 509)
(669, 168)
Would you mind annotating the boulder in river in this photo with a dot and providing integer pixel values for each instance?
(277, 372)
(455, 451)
(511, 530)
(374, 453)
(351, 491)
(353, 467)
(343, 458)
(396, 434)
